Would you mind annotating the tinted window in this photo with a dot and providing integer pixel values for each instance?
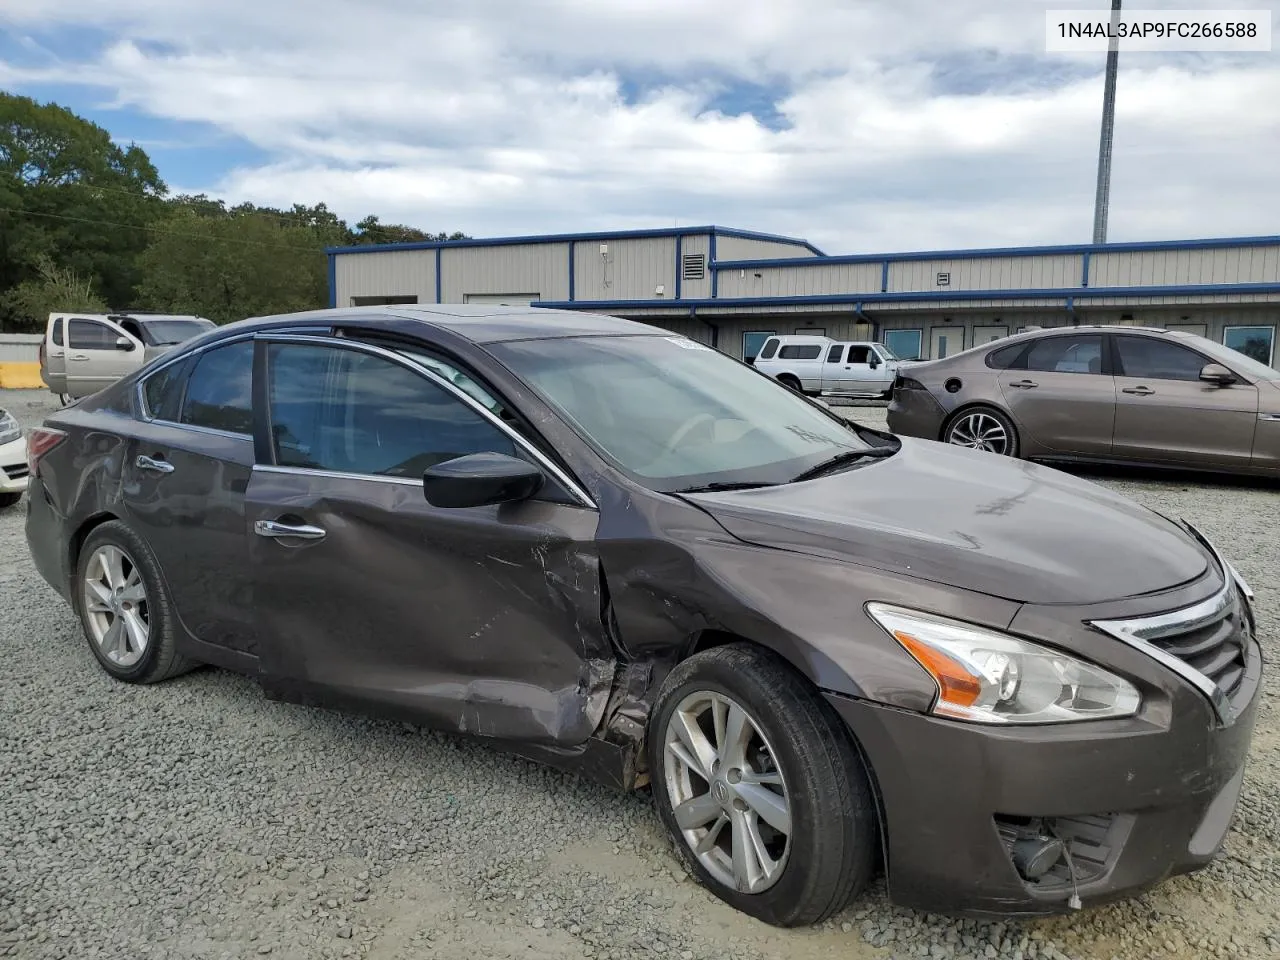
(172, 332)
(1082, 354)
(800, 352)
(859, 354)
(163, 391)
(769, 349)
(341, 410)
(57, 332)
(833, 355)
(1157, 359)
(220, 389)
(91, 335)
(1005, 357)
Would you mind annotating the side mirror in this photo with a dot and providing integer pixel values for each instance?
(124, 343)
(1217, 374)
(479, 480)
(873, 361)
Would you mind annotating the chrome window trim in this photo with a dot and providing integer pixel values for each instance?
(140, 394)
(335, 474)
(409, 364)
(1137, 631)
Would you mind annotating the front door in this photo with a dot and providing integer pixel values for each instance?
(1062, 396)
(989, 334)
(945, 341)
(1165, 413)
(861, 371)
(95, 356)
(485, 620)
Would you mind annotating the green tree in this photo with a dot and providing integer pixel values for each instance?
(71, 196)
(54, 289)
(371, 231)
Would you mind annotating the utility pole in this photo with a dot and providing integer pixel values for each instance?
(1102, 200)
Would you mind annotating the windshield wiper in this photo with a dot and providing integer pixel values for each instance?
(843, 459)
(719, 487)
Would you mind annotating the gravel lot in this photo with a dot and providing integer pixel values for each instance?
(195, 819)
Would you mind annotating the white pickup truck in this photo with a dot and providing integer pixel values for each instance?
(820, 365)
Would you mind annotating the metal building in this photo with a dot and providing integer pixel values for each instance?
(733, 288)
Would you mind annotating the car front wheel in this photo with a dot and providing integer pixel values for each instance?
(761, 787)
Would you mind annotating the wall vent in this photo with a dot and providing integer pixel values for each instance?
(694, 266)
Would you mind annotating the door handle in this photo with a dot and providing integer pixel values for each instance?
(274, 528)
(158, 466)
(1024, 384)
(77, 356)
(1139, 391)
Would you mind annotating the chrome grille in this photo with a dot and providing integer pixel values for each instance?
(1216, 649)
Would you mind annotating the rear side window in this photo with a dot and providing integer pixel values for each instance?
(800, 351)
(91, 335)
(349, 412)
(220, 389)
(57, 332)
(833, 355)
(163, 391)
(1006, 357)
(1081, 354)
(768, 350)
(1154, 359)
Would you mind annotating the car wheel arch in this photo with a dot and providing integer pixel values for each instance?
(76, 541)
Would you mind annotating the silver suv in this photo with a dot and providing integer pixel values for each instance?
(83, 353)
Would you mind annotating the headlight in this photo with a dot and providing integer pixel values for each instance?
(990, 677)
(9, 429)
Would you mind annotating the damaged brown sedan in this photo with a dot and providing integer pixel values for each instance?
(827, 649)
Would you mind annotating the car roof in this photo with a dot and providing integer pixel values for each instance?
(487, 323)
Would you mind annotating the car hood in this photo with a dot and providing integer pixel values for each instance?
(973, 520)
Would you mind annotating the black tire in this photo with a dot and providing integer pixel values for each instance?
(787, 380)
(9, 499)
(961, 416)
(834, 839)
(160, 659)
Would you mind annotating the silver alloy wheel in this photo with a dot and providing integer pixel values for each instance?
(115, 604)
(979, 431)
(720, 772)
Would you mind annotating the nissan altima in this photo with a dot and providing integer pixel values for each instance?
(825, 649)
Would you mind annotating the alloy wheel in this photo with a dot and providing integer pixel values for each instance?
(727, 794)
(980, 431)
(115, 604)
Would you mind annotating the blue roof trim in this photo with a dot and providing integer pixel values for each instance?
(1054, 293)
(572, 237)
(1049, 251)
(333, 281)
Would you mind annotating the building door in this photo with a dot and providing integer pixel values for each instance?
(987, 334)
(945, 342)
(1199, 329)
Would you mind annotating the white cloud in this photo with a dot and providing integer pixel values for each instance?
(509, 116)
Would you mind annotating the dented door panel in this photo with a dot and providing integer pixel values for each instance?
(485, 620)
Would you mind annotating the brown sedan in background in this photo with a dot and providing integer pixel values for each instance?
(1114, 394)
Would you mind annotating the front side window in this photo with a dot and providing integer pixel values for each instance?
(674, 414)
(800, 351)
(220, 389)
(1155, 359)
(860, 355)
(1082, 354)
(352, 412)
(91, 335)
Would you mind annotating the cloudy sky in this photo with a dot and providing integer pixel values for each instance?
(862, 125)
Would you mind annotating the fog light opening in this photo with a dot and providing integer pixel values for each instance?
(1033, 857)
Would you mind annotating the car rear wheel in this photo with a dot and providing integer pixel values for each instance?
(787, 380)
(983, 428)
(124, 608)
(760, 787)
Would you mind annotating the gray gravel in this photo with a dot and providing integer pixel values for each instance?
(194, 819)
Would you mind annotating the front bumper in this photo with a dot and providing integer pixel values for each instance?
(1138, 800)
(13, 466)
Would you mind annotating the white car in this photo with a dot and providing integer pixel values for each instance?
(820, 365)
(13, 460)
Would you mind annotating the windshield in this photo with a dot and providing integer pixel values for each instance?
(162, 332)
(674, 414)
(886, 352)
(1238, 361)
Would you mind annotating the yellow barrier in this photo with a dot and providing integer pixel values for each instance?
(17, 375)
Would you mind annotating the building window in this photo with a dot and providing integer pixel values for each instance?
(905, 344)
(1255, 342)
(694, 266)
(382, 301)
(752, 341)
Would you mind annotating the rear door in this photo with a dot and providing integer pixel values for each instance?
(54, 361)
(832, 368)
(860, 372)
(98, 354)
(486, 620)
(1062, 395)
(186, 473)
(1165, 414)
